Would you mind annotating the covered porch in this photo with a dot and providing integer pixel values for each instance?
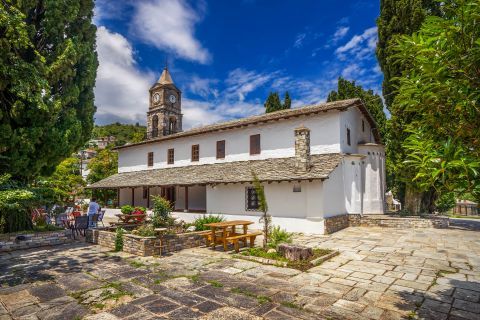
(188, 198)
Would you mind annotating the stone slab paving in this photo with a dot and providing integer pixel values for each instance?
(379, 274)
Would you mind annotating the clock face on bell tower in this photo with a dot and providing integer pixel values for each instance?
(164, 116)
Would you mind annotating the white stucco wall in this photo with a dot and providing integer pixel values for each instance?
(294, 211)
(277, 140)
(352, 119)
(375, 181)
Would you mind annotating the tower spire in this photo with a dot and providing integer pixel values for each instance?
(165, 77)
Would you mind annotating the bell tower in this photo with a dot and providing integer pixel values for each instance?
(164, 114)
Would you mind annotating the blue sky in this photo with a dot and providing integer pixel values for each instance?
(226, 56)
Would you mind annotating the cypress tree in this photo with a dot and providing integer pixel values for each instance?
(287, 104)
(48, 68)
(272, 103)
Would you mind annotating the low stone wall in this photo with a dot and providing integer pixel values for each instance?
(336, 223)
(388, 221)
(177, 242)
(10, 242)
(146, 246)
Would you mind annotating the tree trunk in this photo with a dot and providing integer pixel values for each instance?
(428, 201)
(413, 200)
(294, 252)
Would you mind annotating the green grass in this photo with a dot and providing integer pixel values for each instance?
(260, 298)
(291, 305)
(215, 284)
(302, 265)
(137, 264)
(99, 305)
(463, 217)
(120, 292)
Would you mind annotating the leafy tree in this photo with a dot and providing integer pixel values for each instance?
(102, 166)
(66, 180)
(48, 66)
(398, 17)
(349, 89)
(273, 102)
(440, 95)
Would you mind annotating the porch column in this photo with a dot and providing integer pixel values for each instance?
(118, 197)
(148, 197)
(186, 199)
(133, 197)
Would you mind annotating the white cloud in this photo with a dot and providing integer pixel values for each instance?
(203, 87)
(241, 82)
(299, 40)
(340, 33)
(360, 46)
(121, 90)
(353, 71)
(169, 25)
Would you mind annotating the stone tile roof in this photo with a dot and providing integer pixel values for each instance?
(276, 169)
(268, 117)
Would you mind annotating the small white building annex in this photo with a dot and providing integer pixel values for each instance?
(315, 163)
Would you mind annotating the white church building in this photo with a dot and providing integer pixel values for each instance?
(315, 162)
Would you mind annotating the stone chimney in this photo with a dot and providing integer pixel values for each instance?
(302, 149)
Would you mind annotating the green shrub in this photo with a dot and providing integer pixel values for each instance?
(119, 239)
(445, 202)
(200, 222)
(146, 230)
(162, 209)
(278, 236)
(127, 209)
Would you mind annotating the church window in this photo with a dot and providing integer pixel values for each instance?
(170, 156)
(254, 144)
(221, 149)
(252, 202)
(155, 126)
(348, 137)
(150, 159)
(195, 152)
(171, 126)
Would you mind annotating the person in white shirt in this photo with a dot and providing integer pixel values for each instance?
(93, 208)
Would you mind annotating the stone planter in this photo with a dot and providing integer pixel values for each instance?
(147, 246)
(18, 241)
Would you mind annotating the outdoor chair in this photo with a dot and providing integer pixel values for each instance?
(93, 222)
(81, 224)
(100, 217)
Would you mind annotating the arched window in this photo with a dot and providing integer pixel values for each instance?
(172, 125)
(155, 126)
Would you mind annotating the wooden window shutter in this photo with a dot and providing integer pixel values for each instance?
(348, 137)
(195, 152)
(150, 159)
(255, 144)
(221, 149)
(170, 156)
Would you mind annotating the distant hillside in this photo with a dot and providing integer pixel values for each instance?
(122, 132)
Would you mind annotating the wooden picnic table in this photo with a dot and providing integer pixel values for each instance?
(131, 218)
(225, 234)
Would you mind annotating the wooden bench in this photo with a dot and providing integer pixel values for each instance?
(207, 234)
(244, 238)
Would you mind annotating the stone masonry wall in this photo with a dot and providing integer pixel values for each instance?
(146, 246)
(336, 223)
(9, 242)
(386, 221)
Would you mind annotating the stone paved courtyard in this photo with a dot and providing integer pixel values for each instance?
(380, 274)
